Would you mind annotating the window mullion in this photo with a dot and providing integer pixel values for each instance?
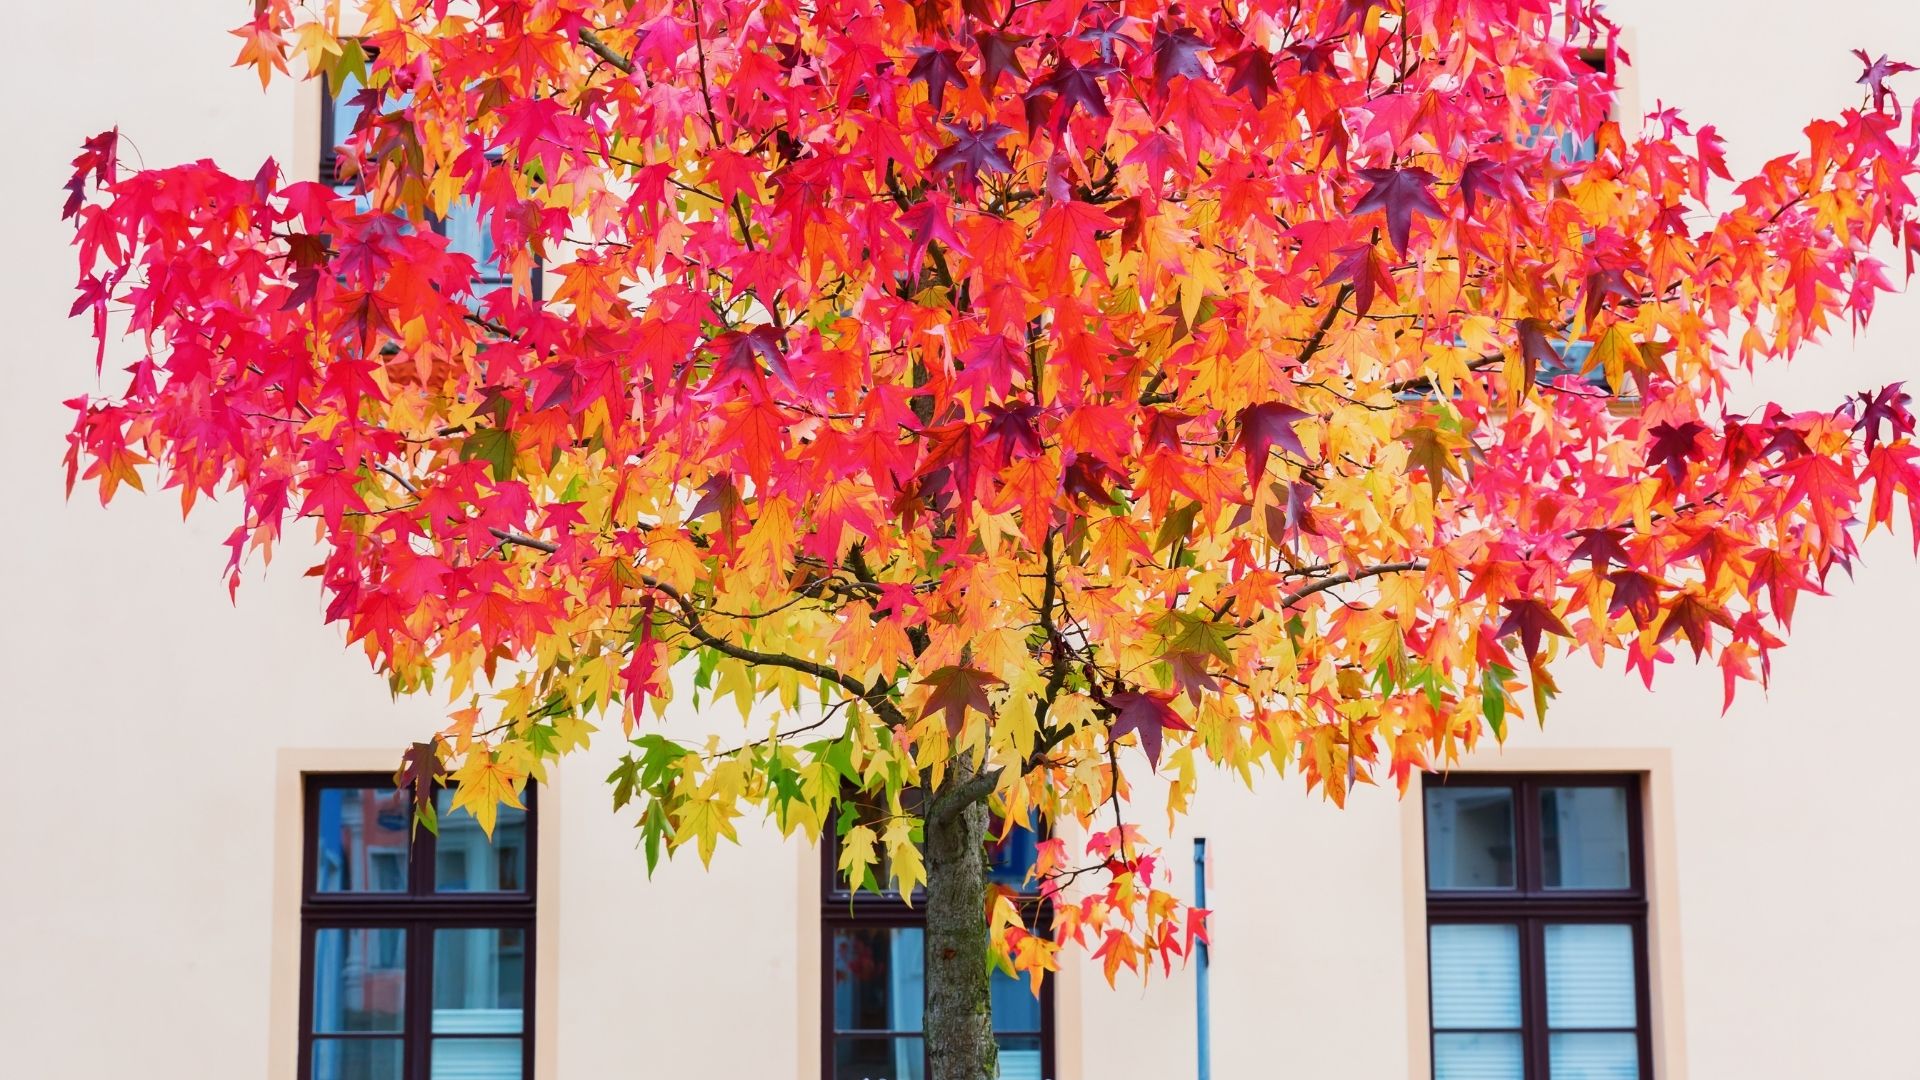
(1533, 1016)
(419, 996)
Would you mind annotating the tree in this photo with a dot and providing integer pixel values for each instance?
(998, 398)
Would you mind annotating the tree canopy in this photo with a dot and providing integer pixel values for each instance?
(1036, 392)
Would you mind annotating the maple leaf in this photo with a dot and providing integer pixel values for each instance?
(1363, 266)
(1177, 54)
(1147, 715)
(973, 151)
(955, 689)
(1482, 177)
(1264, 426)
(1531, 619)
(1069, 85)
(1636, 593)
(1253, 73)
(1674, 447)
(939, 69)
(422, 773)
(1601, 547)
(1072, 228)
(1888, 408)
(1399, 194)
(1874, 78)
(1691, 615)
(999, 54)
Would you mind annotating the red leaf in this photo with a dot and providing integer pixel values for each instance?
(1147, 715)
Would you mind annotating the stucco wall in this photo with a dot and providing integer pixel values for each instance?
(147, 717)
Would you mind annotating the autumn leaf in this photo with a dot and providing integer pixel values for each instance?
(954, 690)
(1148, 715)
(1399, 194)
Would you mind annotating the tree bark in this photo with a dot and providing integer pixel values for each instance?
(959, 1020)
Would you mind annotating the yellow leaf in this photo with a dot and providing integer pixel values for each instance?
(482, 784)
(857, 857)
(903, 857)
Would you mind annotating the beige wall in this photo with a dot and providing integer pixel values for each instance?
(153, 723)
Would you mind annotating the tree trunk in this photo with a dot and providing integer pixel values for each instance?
(959, 1021)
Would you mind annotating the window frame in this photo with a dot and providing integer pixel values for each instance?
(1529, 906)
(419, 911)
(842, 908)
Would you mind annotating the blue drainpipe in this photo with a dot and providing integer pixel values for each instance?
(1203, 1003)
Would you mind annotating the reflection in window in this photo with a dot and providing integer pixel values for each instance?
(358, 986)
(361, 839)
(466, 860)
(1469, 838)
(1583, 838)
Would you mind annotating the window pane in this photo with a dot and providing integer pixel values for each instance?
(476, 1059)
(479, 980)
(1590, 975)
(1015, 1008)
(464, 860)
(879, 979)
(1020, 1058)
(359, 979)
(1009, 860)
(356, 1059)
(1477, 1056)
(1476, 975)
(360, 840)
(879, 1059)
(1594, 1055)
(1583, 838)
(470, 236)
(1469, 838)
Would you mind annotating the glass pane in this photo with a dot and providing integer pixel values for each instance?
(1590, 976)
(475, 1059)
(879, 979)
(359, 979)
(1015, 1008)
(356, 1059)
(1594, 1055)
(1476, 975)
(479, 980)
(1477, 1056)
(1009, 860)
(1583, 838)
(1019, 1058)
(879, 1059)
(470, 236)
(464, 860)
(1469, 838)
(360, 840)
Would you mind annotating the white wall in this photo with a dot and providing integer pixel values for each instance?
(145, 714)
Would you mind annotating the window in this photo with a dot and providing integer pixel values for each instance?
(415, 950)
(463, 227)
(874, 979)
(1536, 928)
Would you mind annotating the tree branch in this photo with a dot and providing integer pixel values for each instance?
(604, 51)
(1324, 584)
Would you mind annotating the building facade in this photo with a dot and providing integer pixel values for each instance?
(202, 879)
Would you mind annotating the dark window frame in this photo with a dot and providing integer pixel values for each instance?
(842, 908)
(419, 911)
(1529, 905)
(330, 141)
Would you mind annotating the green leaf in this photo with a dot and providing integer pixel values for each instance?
(493, 446)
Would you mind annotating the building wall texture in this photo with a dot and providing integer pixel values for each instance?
(154, 727)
